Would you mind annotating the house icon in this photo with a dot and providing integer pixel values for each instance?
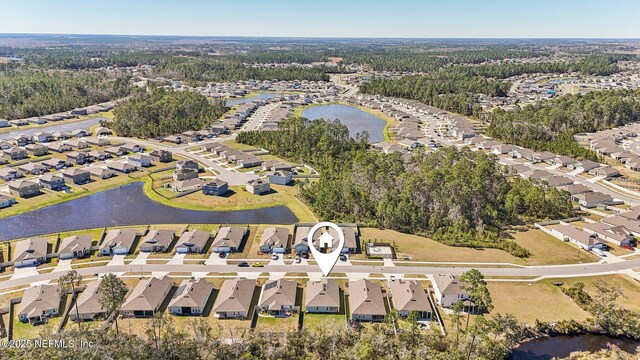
(326, 240)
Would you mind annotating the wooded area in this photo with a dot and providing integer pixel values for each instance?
(459, 197)
(161, 112)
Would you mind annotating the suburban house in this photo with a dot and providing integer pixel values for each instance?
(234, 299)
(162, 156)
(37, 149)
(77, 176)
(192, 242)
(448, 290)
(186, 164)
(52, 182)
(365, 300)
(157, 241)
(228, 239)
(101, 173)
(6, 201)
(131, 148)
(322, 296)
(101, 131)
(572, 234)
(121, 166)
(24, 188)
(78, 144)
(16, 153)
(77, 246)
(32, 169)
(97, 141)
(89, 306)
(278, 297)
(575, 189)
(78, 158)
(280, 177)
(140, 160)
(614, 234)
(176, 139)
(301, 242)
(39, 303)
(30, 252)
(118, 242)
(188, 185)
(185, 174)
(191, 297)
(274, 240)
(115, 151)
(258, 186)
(22, 140)
(98, 155)
(42, 136)
(54, 164)
(145, 299)
(8, 174)
(215, 187)
(592, 199)
(59, 147)
(408, 296)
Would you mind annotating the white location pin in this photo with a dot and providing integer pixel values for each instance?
(326, 262)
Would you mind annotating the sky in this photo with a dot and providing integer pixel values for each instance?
(328, 18)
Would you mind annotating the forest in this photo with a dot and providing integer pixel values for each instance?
(551, 125)
(201, 70)
(161, 112)
(29, 93)
(458, 197)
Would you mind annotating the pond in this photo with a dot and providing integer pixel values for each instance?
(355, 119)
(260, 96)
(127, 205)
(68, 127)
(546, 348)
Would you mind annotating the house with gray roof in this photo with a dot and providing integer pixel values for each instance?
(448, 290)
(228, 239)
(118, 242)
(274, 240)
(278, 297)
(191, 297)
(30, 252)
(157, 241)
(145, 299)
(365, 301)
(38, 304)
(408, 296)
(89, 306)
(76, 246)
(234, 299)
(322, 296)
(192, 242)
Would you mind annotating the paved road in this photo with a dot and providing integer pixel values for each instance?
(536, 271)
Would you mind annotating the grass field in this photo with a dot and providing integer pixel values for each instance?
(277, 324)
(544, 248)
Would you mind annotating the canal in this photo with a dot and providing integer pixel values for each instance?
(127, 205)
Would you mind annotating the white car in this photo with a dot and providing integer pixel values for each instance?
(274, 256)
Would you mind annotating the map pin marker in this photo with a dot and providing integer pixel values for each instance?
(326, 262)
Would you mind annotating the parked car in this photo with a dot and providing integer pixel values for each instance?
(274, 256)
(257, 264)
(598, 252)
(222, 255)
(628, 247)
(298, 260)
(343, 257)
(243, 264)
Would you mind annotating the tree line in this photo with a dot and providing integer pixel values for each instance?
(29, 93)
(160, 112)
(551, 125)
(458, 197)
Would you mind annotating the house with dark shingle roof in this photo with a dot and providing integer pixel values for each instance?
(145, 299)
(191, 297)
(366, 302)
(234, 299)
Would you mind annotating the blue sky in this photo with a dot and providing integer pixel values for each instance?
(327, 18)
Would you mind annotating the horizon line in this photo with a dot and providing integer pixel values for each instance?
(326, 37)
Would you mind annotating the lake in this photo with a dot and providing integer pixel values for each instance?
(355, 119)
(260, 96)
(68, 127)
(127, 205)
(546, 348)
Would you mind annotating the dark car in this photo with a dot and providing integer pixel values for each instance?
(243, 264)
